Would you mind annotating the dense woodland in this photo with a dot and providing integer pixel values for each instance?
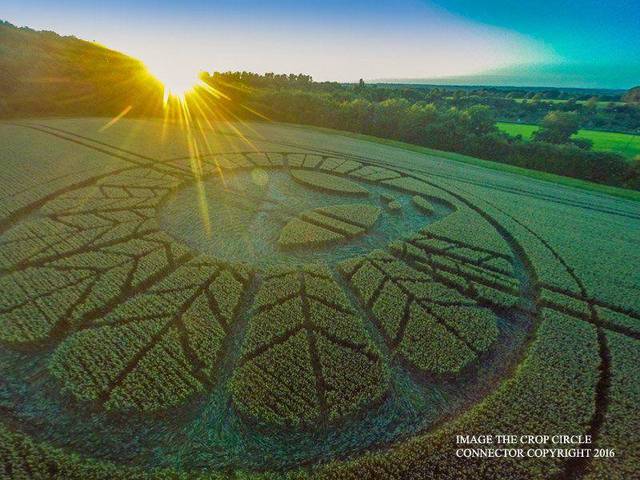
(42, 73)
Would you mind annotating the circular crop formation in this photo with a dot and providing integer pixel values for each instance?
(286, 308)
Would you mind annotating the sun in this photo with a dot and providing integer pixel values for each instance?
(177, 82)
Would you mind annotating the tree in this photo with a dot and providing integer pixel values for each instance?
(557, 127)
(632, 96)
(592, 103)
(415, 121)
(633, 177)
(570, 104)
(584, 143)
(482, 119)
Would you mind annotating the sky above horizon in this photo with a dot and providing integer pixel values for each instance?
(553, 43)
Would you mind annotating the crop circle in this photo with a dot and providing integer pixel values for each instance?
(283, 307)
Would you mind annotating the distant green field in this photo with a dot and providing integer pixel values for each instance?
(622, 143)
(600, 104)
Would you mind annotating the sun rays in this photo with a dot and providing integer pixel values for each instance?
(198, 108)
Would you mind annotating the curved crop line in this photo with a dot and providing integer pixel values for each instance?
(355, 347)
(197, 365)
(8, 221)
(382, 163)
(598, 322)
(244, 153)
(67, 132)
(511, 241)
(575, 468)
(516, 248)
(175, 321)
(538, 196)
(79, 140)
(461, 258)
(90, 247)
(411, 298)
(585, 296)
(596, 301)
(459, 243)
(417, 263)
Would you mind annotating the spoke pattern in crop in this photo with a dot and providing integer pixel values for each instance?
(306, 356)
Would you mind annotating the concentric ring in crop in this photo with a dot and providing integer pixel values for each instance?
(295, 298)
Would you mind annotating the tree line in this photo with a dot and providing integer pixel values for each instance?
(468, 130)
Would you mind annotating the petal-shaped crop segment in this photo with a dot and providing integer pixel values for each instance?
(326, 181)
(157, 349)
(306, 357)
(432, 326)
(86, 250)
(324, 225)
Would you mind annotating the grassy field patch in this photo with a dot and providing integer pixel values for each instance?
(623, 143)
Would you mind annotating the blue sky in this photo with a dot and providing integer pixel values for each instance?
(561, 42)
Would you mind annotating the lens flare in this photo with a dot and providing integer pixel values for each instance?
(177, 82)
(197, 107)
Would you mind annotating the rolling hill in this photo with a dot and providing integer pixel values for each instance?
(42, 72)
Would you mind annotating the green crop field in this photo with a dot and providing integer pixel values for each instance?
(294, 303)
(599, 104)
(623, 143)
